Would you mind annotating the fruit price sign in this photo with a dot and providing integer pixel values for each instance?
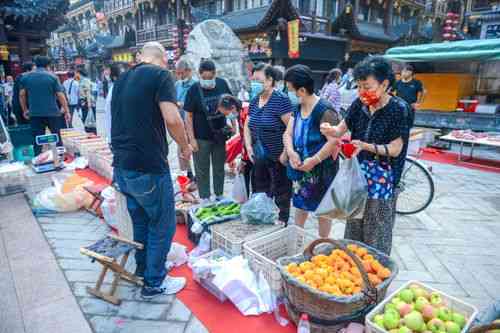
(293, 39)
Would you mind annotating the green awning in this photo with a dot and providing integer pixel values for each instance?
(466, 50)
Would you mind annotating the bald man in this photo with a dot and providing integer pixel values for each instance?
(143, 107)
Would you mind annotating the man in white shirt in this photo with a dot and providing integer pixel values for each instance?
(72, 88)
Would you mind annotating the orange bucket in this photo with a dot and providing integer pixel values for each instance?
(183, 182)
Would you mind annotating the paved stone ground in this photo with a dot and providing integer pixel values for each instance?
(65, 234)
(452, 246)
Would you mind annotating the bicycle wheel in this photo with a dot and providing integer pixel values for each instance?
(416, 188)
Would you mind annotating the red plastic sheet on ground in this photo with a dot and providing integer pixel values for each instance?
(220, 317)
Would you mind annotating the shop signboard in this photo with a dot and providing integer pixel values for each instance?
(123, 57)
(293, 39)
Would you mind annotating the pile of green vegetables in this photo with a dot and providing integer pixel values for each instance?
(217, 212)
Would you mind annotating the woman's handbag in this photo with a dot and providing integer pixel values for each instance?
(379, 176)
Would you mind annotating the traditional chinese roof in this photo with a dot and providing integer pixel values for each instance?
(262, 17)
(247, 19)
(32, 10)
(347, 23)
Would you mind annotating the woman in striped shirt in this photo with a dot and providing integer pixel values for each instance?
(330, 91)
(268, 116)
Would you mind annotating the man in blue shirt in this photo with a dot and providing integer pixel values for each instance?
(185, 80)
(39, 97)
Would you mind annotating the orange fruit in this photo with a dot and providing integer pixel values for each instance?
(368, 257)
(374, 279)
(352, 247)
(384, 273)
(376, 266)
(361, 252)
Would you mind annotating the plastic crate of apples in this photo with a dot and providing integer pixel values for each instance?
(417, 308)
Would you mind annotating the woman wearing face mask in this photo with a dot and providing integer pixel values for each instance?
(378, 123)
(232, 108)
(207, 129)
(311, 166)
(256, 85)
(268, 116)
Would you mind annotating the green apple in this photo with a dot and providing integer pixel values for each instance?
(390, 306)
(420, 292)
(436, 325)
(404, 329)
(391, 319)
(414, 320)
(396, 300)
(406, 295)
(429, 312)
(452, 327)
(420, 303)
(444, 314)
(379, 320)
(436, 299)
(459, 319)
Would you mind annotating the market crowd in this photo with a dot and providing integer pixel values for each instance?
(291, 135)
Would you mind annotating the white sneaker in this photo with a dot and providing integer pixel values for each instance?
(173, 285)
(205, 201)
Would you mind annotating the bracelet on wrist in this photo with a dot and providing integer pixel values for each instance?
(318, 159)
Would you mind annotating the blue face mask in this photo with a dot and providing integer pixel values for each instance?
(256, 88)
(207, 84)
(293, 98)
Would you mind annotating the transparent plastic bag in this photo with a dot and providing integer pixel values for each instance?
(239, 189)
(260, 209)
(52, 199)
(346, 197)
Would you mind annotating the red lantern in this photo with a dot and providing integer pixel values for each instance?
(450, 15)
(446, 35)
(448, 21)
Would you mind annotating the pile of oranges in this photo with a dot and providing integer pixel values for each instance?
(337, 274)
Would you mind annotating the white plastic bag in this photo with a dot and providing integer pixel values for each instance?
(90, 120)
(239, 189)
(77, 122)
(346, 197)
(52, 199)
(203, 246)
(260, 209)
(249, 294)
(177, 254)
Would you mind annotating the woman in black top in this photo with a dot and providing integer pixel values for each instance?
(378, 123)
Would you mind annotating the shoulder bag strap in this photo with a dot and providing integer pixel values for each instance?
(204, 107)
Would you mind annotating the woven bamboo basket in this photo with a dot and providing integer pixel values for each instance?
(328, 313)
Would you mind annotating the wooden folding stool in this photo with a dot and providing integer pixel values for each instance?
(107, 252)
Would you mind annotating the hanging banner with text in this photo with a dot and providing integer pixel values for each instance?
(293, 39)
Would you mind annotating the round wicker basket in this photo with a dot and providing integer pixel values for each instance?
(328, 313)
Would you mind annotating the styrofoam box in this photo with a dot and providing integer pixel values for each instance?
(37, 182)
(469, 311)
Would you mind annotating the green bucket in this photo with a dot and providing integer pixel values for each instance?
(24, 153)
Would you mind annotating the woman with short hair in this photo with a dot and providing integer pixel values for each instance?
(312, 159)
(269, 113)
(379, 128)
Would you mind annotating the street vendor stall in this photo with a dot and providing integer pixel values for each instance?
(459, 77)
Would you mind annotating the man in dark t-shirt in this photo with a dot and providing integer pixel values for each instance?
(143, 107)
(410, 89)
(208, 147)
(40, 95)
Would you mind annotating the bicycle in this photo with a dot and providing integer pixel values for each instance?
(416, 187)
